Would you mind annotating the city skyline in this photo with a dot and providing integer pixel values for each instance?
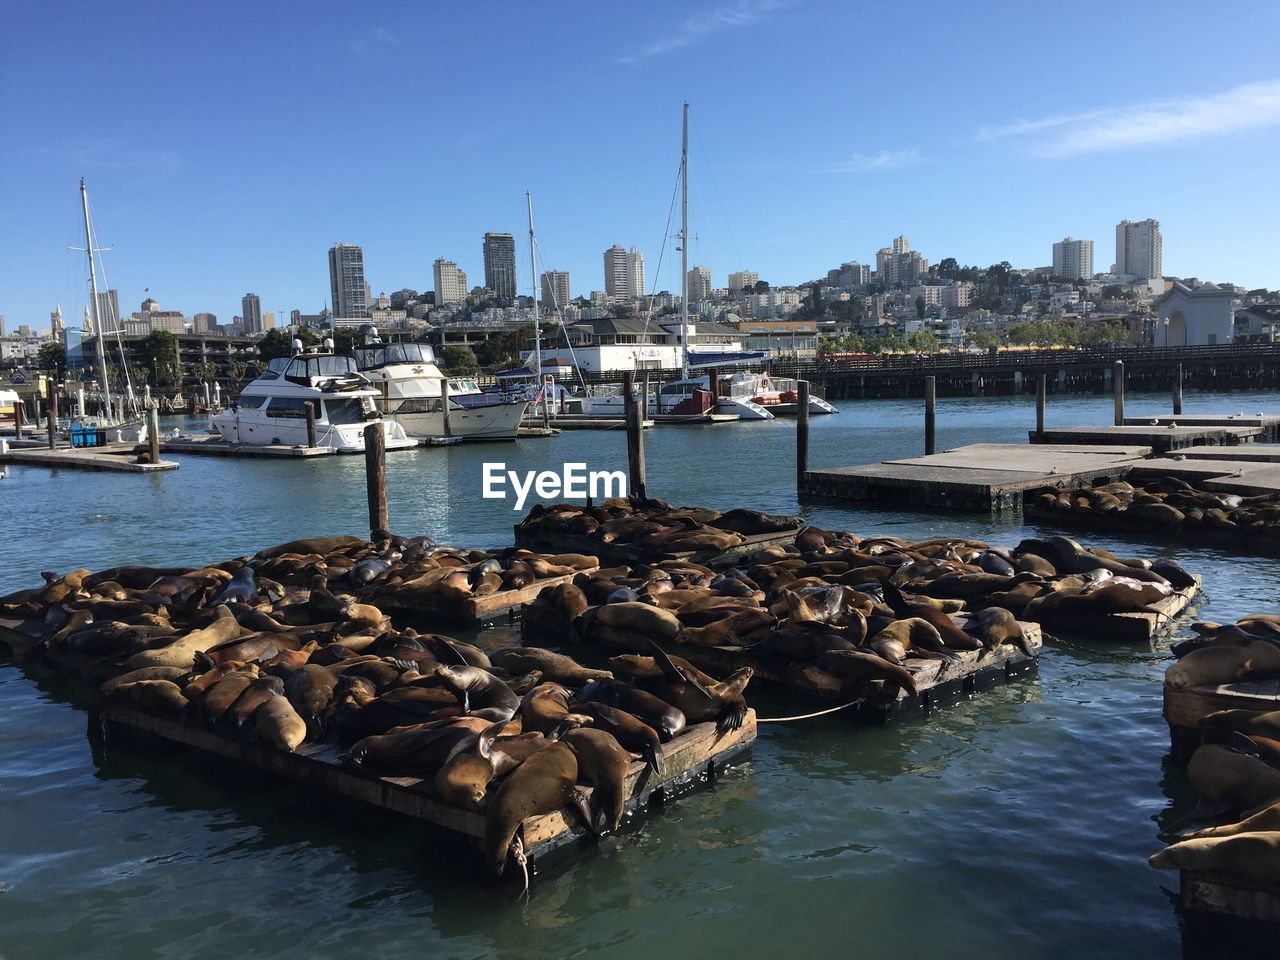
(1024, 165)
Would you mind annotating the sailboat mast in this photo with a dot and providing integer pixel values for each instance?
(533, 276)
(684, 247)
(93, 300)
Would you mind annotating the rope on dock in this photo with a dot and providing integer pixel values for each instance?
(809, 716)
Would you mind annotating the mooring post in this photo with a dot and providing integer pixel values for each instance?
(153, 432)
(635, 437)
(208, 400)
(310, 407)
(547, 385)
(444, 408)
(1177, 390)
(375, 474)
(1041, 388)
(802, 434)
(53, 417)
(930, 412)
(713, 381)
(644, 400)
(19, 408)
(1117, 382)
(80, 411)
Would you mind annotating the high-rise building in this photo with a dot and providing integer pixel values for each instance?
(1139, 250)
(1, 324)
(500, 266)
(616, 282)
(109, 310)
(203, 322)
(346, 280)
(555, 289)
(900, 264)
(635, 274)
(743, 278)
(699, 284)
(451, 283)
(55, 323)
(1073, 259)
(268, 321)
(251, 309)
(901, 245)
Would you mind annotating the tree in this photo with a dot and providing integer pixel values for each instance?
(948, 268)
(920, 307)
(762, 286)
(237, 369)
(279, 342)
(986, 339)
(924, 341)
(458, 359)
(52, 357)
(158, 354)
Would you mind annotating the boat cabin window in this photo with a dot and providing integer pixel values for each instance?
(384, 353)
(463, 386)
(303, 369)
(287, 408)
(345, 411)
(251, 401)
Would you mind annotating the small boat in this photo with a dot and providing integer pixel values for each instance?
(271, 410)
(414, 388)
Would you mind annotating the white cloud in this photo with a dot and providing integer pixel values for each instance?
(381, 35)
(705, 23)
(1246, 107)
(876, 162)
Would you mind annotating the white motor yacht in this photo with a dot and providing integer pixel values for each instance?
(271, 409)
(412, 382)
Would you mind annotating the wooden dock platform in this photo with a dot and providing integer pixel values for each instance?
(694, 758)
(632, 555)
(1269, 424)
(580, 421)
(1136, 627)
(977, 477)
(118, 457)
(940, 683)
(1203, 891)
(1186, 708)
(1161, 439)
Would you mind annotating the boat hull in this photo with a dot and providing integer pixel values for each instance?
(254, 429)
(493, 423)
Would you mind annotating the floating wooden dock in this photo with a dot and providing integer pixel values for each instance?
(977, 477)
(217, 447)
(696, 757)
(1136, 627)
(633, 555)
(694, 419)
(1186, 708)
(119, 457)
(1270, 425)
(940, 683)
(580, 421)
(1203, 891)
(1161, 439)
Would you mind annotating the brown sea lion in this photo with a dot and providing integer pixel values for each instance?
(464, 779)
(700, 697)
(604, 764)
(310, 689)
(641, 618)
(251, 698)
(219, 697)
(654, 711)
(1224, 664)
(162, 697)
(630, 731)
(555, 667)
(546, 707)
(277, 723)
(181, 652)
(1258, 820)
(174, 674)
(420, 750)
(544, 783)
(855, 665)
(479, 692)
(1253, 857)
(1231, 778)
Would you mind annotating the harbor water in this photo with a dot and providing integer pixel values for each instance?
(1016, 824)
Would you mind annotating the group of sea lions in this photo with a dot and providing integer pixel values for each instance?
(280, 649)
(647, 528)
(1237, 768)
(1168, 504)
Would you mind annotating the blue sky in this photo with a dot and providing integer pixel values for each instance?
(228, 145)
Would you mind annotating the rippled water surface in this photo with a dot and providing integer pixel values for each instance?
(1016, 824)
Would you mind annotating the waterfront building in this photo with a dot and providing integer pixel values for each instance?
(555, 289)
(450, 282)
(1201, 316)
(629, 343)
(500, 266)
(347, 286)
(1139, 249)
(1073, 259)
(251, 312)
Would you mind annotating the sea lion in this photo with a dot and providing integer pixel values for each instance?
(602, 763)
(1224, 664)
(648, 621)
(1249, 722)
(1233, 779)
(162, 697)
(420, 750)
(546, 707)
(464, 779)
(698, 696)
(310, 689)
(174, 674)
(479, 692)
(277, 723)
(630, 731)
(544, 783)
(1253, 857)
(657, 713)
(252, 697)
(1264, 818)
(855, 665)
(555, 667)
(181, 652)
(219, 698)
(995, 626)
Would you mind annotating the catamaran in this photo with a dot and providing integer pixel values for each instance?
(271, 410)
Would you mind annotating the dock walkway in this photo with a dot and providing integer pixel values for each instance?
(1160, 438)
(118, 457)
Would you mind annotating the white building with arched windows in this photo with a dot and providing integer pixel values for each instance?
(1196, 316)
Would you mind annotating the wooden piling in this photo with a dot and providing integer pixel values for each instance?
(1117, 383)
(375, 473)
(1177, 390)
(635, 437)
(52, 412)
(19, 409)
(644, 399)
(1041, 389)
(444, 407)
(802, 433)
(310, 407)
(547, 386)
(713, 381)
(153, 432)
(930, 411)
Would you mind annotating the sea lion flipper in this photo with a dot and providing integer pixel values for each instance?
(581, 802)
(452, 656)
(654, 758)
(484, 742)
(732, 718)
(1240, 743)
(669, 670)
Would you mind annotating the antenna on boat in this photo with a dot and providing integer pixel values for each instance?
(533, 275)
(684, 247)
(93, 300)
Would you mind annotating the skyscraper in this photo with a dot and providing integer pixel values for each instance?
(616, 283)
(500, 266)
(346, 280)
(699, 284)
(555, 289)
(635, 274)
(901, 245)
(1139, 250)
(109, 310)
(451, 283)
(251, 310)
(203, 322)
(743, 278)
(1073, 259)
